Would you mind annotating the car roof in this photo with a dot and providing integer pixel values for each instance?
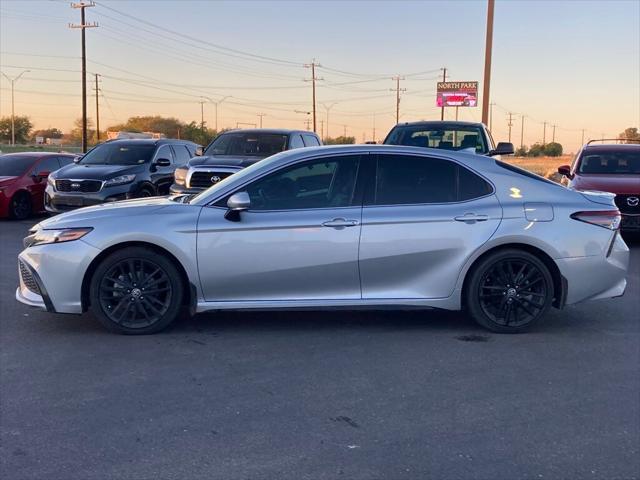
(150, 141)
(430, 123)
(274, 131)
(32, 155)
(611, 147)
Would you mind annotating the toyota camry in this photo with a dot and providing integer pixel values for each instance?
(349, 227)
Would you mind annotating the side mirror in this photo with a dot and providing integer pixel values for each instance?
(503, 148)
(77, 159)
(38, 177)
(44, 174)
(565, 170)
(199, 151)
(162, 162)
(237, 203)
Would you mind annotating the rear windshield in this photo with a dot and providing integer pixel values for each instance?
(611, 162)
(15, 165)
(119, 154)
(445, 137)
(248, 144)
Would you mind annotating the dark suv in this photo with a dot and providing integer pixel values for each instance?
(448, 135)
(234, 150)
(609, 167)
(117, 170)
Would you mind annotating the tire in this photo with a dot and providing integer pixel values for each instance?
(144, 192)
(118, 297)
(509, 291)
(20, 207)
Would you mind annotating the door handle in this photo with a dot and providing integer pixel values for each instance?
(340, 222)
(471, 218)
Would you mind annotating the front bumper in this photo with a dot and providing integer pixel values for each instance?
(51, 275)
(596, 276)
(182, 190)
(59, 202)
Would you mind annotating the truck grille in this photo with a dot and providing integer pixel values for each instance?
(628, 204)
(28, 279)
(84, 186)
(204, 179)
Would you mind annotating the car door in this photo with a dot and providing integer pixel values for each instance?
(297, 241)
(162, 177)
(421, 220)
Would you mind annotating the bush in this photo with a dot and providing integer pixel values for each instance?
(553, 149)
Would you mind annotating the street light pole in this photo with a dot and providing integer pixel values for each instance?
(13, 114)
(327, 108)
(216, 108)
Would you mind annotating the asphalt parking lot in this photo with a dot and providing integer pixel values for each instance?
(319, 395)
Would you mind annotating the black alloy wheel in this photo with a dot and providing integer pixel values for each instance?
(136, 290)
(510, 291)
(20, 207)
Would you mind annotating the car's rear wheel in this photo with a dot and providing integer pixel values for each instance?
(136, 291)
(509, 291)
(20, 207)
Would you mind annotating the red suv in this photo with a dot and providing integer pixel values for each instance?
(23, 178)
(611, 168)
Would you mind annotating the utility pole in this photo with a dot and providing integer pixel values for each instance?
(322, 130)
(582, 137)
(491, 115)
(97, 112)
(327, 108)
(344, 131)
(554, 134)
(522, 134)
(544, 133)
(313, 80)
(510, 124)
(307, 123)
(487, 61)
(397, 78)
(13, 113)
(202, 115)
(374, 127)
(444, 79)
(83, 26)
(260, 115)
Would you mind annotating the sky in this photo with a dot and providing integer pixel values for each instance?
(572, 64)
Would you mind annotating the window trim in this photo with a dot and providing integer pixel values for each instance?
(369, 197)
(358, 190)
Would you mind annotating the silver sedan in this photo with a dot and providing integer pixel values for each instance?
(350, 227)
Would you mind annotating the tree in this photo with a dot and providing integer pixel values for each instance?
(169, 127)
(521, 152)
(341, 140)
(75, 136)
(553, 149)
(536, 150)
(193, 131)
(47, 133)
(630, 135)
(23, 127)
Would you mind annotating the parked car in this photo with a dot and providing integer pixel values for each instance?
(117, 170)
(23, 177)
(611, 168)
(348, 226)
(234, 150)
(448, 135)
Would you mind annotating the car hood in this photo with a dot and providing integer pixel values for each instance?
(7, 180)
(85, 217)
(96, 172)
(618, 184)
(224, 160)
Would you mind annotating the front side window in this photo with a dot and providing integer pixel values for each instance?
(247, 144)
(405, 179)
(611, 162)
(49, 164)
(165, 152)
(326, 183)
(453, 137)
(182, 154)
(119, 154)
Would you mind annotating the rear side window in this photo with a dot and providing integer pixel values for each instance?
(295, 142)
(182, 154)
(405, 179)
(64, 161)
(310, 141)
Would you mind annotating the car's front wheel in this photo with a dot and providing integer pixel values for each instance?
(509, 291)
(136, 291)
(20, 206)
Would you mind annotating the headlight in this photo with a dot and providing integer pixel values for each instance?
(121, 180)
(43, 237)
(180, 175)
(51, 182)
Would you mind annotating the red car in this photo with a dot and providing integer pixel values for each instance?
(611, 168)
(23, 178)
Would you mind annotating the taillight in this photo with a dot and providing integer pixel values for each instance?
(603, 218)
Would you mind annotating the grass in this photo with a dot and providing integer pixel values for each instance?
(5, 148)
(543, 166)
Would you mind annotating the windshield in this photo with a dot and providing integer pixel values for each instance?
(611, 162)
(119, 154)
(14, 165)
(247, 144)
(445, 137)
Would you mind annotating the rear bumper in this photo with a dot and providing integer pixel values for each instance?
(597, 276)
